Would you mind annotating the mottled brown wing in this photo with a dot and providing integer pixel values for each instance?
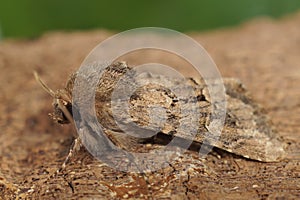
(155, 106)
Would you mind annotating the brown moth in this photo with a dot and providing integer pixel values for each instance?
(247, 131)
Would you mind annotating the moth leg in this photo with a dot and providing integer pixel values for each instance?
(74, 148)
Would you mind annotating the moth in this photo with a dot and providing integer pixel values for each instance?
(247, 129)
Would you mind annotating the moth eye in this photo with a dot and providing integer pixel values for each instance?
(60, 121)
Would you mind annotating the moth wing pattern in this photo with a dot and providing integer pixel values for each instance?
(247, 130)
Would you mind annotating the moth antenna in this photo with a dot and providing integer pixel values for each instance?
(44, 86)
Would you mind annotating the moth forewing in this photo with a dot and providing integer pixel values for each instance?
(246, 131)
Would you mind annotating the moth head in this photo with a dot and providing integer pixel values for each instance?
(62, 106)
(62, 103)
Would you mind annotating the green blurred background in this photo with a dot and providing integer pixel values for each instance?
(31, 18)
